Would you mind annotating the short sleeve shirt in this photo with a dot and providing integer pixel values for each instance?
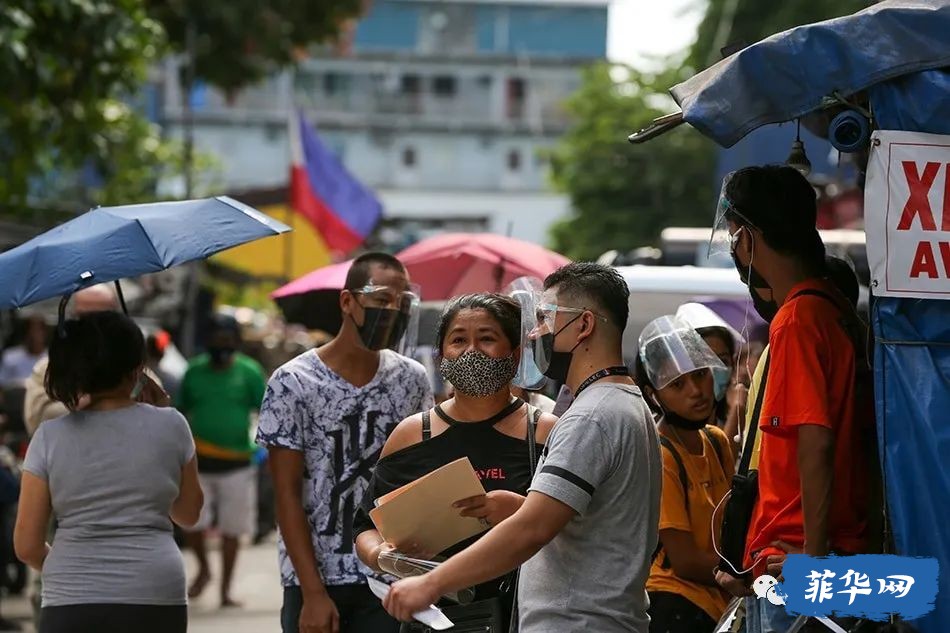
(341, 430)
(811, 381)
(113, 477)
(708, 478)
(603, 460)
(219, 403)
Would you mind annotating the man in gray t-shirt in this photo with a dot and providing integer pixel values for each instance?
(602, 459)
(588, 527)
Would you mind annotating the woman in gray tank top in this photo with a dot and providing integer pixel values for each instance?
(113, 474)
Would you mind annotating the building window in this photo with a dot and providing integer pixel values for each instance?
(514, 160)
(411, 84)
(332, 83)
(409, 157)
(444, 86)
(515, 97)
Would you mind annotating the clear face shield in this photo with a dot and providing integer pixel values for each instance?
(670, 348)
(535, 357)
(391, 317)
(720, 240)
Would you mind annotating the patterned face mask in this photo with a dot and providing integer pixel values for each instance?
(478, 375)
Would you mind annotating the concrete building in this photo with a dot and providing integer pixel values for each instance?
(443, 107)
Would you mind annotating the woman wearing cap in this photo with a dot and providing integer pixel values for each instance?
(681, 378)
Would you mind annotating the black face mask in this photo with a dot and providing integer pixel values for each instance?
(221, 355)
(560, 364)
(382, 327)
(767, 309)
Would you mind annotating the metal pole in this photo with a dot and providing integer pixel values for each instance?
(289, 245)
(189, 324)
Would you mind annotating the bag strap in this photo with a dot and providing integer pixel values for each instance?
(749, 446)
(426, 425)
(684, 478)
(715, 444)
(534, 416)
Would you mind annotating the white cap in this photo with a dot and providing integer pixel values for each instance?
(699, 316)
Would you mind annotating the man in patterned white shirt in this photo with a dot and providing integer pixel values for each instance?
(325, 417)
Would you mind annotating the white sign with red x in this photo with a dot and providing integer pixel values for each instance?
(907, 214)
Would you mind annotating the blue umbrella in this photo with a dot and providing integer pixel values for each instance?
(111, 243)
(800, 70)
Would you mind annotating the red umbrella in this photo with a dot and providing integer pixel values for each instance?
(460, 263)
(314, 299)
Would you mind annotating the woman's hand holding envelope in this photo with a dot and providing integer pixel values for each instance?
(493, 507)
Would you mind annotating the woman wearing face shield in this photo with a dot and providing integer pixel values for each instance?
(725, 342)
(478, 338)
(679, 374)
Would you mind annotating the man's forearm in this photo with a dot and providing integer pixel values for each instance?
(295, 532)
(816, 466)
(504, 548)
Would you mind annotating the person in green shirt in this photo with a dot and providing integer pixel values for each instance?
(218, 394)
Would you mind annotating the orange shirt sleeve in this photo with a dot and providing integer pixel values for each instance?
(673, 514)
(804, 352)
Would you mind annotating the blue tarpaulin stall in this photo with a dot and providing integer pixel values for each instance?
(912, 370)
(894, 52)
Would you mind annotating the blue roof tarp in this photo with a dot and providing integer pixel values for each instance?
(912, 371)
(789, 74)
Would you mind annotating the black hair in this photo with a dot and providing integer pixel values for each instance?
(505, 310)
(643, 381)
(778, 201)
(721, 332)
(360, 270)
(224, 324)
(589, 283)
(840, 273)
(92, 353)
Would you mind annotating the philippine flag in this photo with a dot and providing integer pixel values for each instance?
(340, 208)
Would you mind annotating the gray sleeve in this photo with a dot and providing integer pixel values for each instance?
(35, 462)
(579, 457)
(186, 442)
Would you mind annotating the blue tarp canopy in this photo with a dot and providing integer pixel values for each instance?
(790, 74)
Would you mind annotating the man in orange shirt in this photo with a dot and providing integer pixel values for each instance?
(817, 419)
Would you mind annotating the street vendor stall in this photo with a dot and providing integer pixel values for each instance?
(876, 84)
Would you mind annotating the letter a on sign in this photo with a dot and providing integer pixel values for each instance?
(907, 214)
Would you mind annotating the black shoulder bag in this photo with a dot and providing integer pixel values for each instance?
(742, 496)
(534, 415)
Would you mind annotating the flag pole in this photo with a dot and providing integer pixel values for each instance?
(289, 245)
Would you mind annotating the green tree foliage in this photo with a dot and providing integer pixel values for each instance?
(64, 66)
(623, 195)
(238, 42)
(744, 22)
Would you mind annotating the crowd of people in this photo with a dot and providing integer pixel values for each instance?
(603, 511)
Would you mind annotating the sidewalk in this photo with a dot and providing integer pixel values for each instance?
(256, 585)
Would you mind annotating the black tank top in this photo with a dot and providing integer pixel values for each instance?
(501, 462)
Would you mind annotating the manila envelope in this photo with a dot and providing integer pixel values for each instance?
(421, 512)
